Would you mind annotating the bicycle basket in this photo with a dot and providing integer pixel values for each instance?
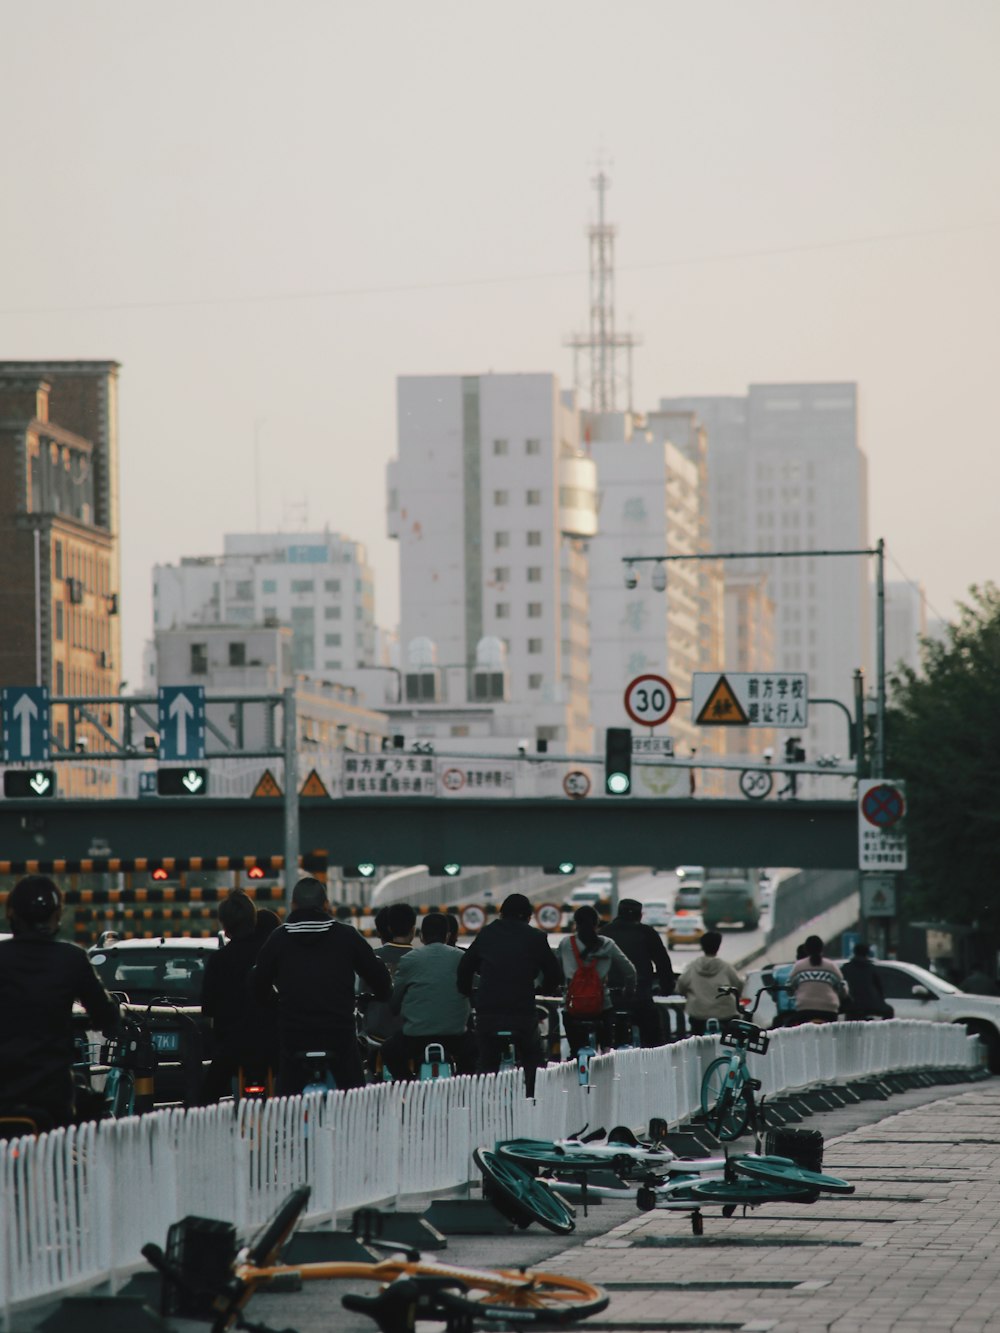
(738, 1032)
(203, 1250)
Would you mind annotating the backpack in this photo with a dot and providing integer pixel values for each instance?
(585, 992)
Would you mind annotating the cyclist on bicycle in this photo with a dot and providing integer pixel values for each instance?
(311, 961)
(428, 1002)
(244, 1032)
(591, 963)
(644, 949)
(40, 977)
(817, 984)
(401, 923)
(700, 981)
(509, 957)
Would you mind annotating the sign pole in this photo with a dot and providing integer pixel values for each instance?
(291, 795)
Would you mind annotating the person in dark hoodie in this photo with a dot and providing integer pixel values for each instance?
(509, 957)
(40, 977)
(865, 987)
(311, 961)
(644, 949)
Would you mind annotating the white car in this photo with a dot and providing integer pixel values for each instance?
(914, 992)
(657, 912)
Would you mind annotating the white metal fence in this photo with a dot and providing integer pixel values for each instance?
(77, 1205)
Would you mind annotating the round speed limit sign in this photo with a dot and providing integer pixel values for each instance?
(473, 918)
(548, 916)
(576, 783)
(649, 700)
(756, 784)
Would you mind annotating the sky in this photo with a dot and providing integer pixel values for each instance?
(267, 211)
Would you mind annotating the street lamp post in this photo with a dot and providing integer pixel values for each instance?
(878, 550)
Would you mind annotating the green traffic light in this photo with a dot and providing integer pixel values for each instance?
(618, 783)
(566, 867)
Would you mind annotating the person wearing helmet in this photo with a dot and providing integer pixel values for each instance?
(40, 977)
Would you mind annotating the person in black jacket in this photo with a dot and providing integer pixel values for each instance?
(245, 1032)
(312, 961)
(40, 977)
(509, 958)
(644, 949)
(867, 998)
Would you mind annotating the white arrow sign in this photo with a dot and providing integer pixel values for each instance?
(192, 779)
(181, 708)
(25, 711)
(39, 782)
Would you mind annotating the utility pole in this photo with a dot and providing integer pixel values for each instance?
(291, 794)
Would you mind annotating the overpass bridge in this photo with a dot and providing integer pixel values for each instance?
(93, 835)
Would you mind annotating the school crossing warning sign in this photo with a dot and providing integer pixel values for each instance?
(722, 708)
(750, 699)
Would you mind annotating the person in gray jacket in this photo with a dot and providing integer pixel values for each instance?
(700, 981)
(586, 947)
(432, 1009)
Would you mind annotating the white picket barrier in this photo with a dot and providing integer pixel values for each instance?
(76, 1205)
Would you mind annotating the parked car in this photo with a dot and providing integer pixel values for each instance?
(914, 992)
(656, 912)
(685, 928)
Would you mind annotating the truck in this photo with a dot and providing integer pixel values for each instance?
(730, 896)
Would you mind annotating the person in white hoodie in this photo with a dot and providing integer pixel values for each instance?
(700, 981)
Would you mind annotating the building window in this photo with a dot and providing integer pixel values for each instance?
(237, 654)
(199, 659)
(534, 573)
(331, 612)
(59, 558)
(332, 585)
(533, 497)
(333, 666)
(501, 574)
(60, 678)
(532, 446)
(501, 539)
(303, 638)
(302, 585)
(269, 585)
(534, 610)
(534, 682)
(59, 621)
(500, 497)
(500, 447)
(503, 610)
(534, 645)
(534, 539)
(270, 614)
(332, 640)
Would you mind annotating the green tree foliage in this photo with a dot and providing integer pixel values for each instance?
(943, 738)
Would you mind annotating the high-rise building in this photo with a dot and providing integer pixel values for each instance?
(319, 584)
(59, 594)
(786, 473)
(492, 500)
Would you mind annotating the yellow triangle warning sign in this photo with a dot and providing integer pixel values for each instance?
(314, 785)
(722, 708)
(267, 786)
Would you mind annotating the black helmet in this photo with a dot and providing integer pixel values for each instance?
(34, 899)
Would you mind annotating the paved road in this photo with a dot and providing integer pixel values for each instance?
(915, 1248)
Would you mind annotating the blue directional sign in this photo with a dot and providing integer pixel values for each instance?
(25, 723)
(182, 721)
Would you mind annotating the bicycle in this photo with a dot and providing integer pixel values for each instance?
(727, 1088)
(410, 1286)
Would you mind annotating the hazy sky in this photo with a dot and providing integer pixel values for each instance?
(267, 211)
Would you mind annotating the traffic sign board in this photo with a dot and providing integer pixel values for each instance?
(25, 724)
(883, 805)
(756, 783)
(29, 783)
(313, 785)
(882, 841)
(548, 916)
(576, 783)
(878, 895)
(649, 700)
(473, 917)
(181, 721)
(750, 699)
(267, 785)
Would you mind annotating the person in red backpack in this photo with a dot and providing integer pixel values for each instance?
(590, 963)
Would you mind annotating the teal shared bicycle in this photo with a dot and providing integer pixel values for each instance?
(728, 1102)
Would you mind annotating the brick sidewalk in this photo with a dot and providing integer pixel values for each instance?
(916, 1247)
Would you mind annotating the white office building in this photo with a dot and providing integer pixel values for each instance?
(492, 500)
(786, 473)
(319, 584)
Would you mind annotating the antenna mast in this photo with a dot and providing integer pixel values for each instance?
(602, 341)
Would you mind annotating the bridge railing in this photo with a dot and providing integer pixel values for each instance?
(76, 1205)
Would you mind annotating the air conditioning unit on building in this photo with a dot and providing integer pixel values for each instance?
(423, 687)
(490, 686)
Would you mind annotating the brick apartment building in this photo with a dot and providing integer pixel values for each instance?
(59, 479)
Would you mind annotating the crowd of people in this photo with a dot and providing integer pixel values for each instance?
(278, 992)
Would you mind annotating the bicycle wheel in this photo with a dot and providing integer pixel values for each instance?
(750, 1192)
(728, 1113)
(521, 1197)
(782, 1170)
(119, 1092)
(713, 1083)
(266, 1245)
(543, 1152)
(537, 1298)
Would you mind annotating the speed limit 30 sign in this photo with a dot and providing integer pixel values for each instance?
(649, 700)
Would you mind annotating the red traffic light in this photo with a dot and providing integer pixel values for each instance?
(160, 874)
(255, 872)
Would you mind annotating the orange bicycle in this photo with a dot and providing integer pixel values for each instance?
(411, 1288)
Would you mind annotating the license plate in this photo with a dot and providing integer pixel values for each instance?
(166, 1041)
